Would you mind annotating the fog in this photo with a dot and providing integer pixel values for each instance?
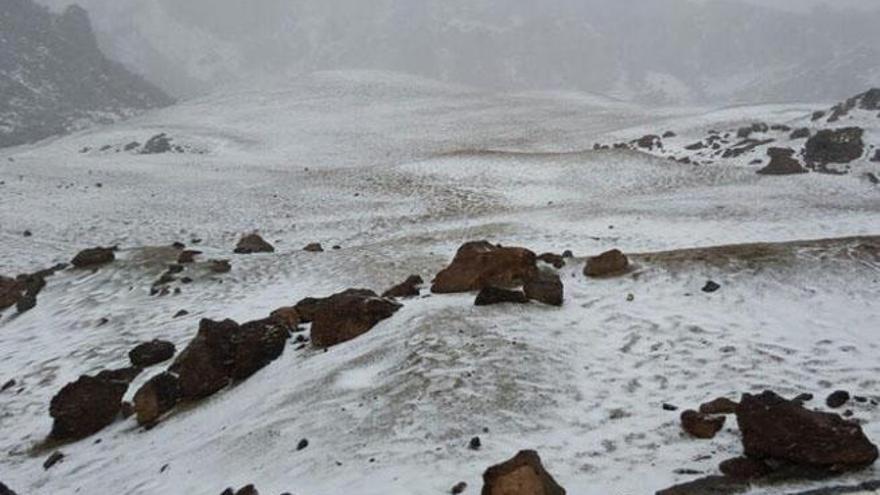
(659, 51)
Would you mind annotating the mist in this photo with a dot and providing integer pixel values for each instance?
(666, 51)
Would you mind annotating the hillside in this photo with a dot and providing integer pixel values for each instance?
(54, 78)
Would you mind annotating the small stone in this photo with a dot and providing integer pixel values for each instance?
(699, 425)
(837, 399)
(475, 443)
(314, 248)
(459, 488)
(53, 459)
(181, 313)
(711, 287)
(302, 444)
(670, 407)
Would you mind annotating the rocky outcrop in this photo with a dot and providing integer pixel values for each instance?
(253, 243)
(94, 257)
(346, 315)
(782, 162)
(54, 78)
(151, 353)
(478, 265)
(493, 295)
(835, 146)
(699, 425)
(85, 406)
(546, 287)
(156, 397)
(776, 428)
(522, 475)
(607, 264)
(407, 288)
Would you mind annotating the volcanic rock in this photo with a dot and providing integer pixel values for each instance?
(150, 353)
(699, 425)
(835, 146)
(478, 265)
(606, 264)
(156, 397)
(93, 257)
(407, 288)
(253, 243)
(85, 406)
(720, 405)
(782, 162)
(494, 295)
(347, 315)
(546, 288)
(522, 475)
(744, 468)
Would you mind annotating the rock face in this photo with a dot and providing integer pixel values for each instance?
(156, 397)
(782, 162)
(54, 78)
(775, 428)
(85, 406)
(606, 264)
(493, 295)
(546, 288)
(478, 265)
(150, 353)
(522, 475)
(835, 146)
(223, 351)
(699, 425)
(253, 243)
(346, 315)
(407, 288)
(93, 257)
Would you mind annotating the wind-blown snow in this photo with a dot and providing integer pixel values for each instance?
(399, 172)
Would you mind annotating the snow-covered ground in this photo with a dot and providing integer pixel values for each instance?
(399, 172)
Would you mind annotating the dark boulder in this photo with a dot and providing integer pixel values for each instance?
(11, 292)
(744, 468)
(545, 288)
(187, 256)
(53, 459)
(480, 264)
(782, 162)
(776, 428)
(121, 375)
(801, 133)
(253, 243)
(307, 307)
(204, 365)
(85, 406)
(156, 397)
(93, 257)
(494, 295)
(150, 353)
(711, 286)
(256, 344)
(5, 490)
(407, 288)
(837, 399)
(287, 318)
(556, 260)
(220, 266)
(524, 474)
(710, 485)
(347, 315)
(649, 142)
(835, 146)
(247, 490)
(699, 425)
(612, 262)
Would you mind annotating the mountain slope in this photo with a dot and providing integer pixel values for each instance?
(54, 78)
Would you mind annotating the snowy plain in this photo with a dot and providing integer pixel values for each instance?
(399, 171)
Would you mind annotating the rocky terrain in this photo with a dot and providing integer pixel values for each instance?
(54, 79)
(841, 140)
(450, 293)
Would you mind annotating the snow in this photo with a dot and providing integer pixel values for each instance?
(400, 171)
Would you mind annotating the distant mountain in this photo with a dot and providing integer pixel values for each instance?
(55, 79)
(658, 51)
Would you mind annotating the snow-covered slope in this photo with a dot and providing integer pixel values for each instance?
(54, 78)
(399, 172)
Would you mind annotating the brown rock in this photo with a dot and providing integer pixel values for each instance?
(837, 399)
(407, 288)
(253, 243)
(188, 256)
(204, 366)
(775, 428)
(156, 397)
(744, 468)
(606, 264)
(710, 485)
(347, 315)
(314, 247)
(85, 406)
(121, 375)
(700, 425)
(522, 475)
(720, 405)
(478, 265)
(150, 353)
(287, 317)
(11, 292)
(782, 162)
(835, 146)
(306, 308)
(493, 295)
(255, 345)
(546, 288)
(90, 258)
(219, 266)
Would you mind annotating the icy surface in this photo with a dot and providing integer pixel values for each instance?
(399, 172)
